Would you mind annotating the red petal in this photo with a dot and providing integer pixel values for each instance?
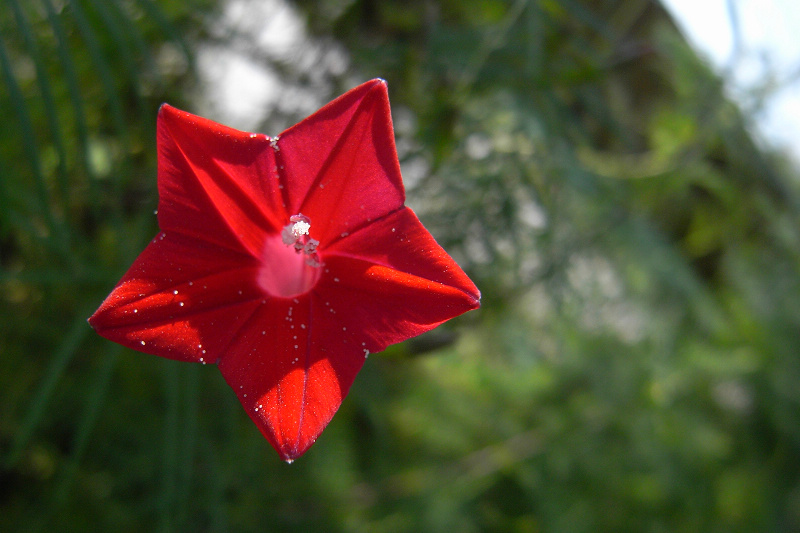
(340, 164)
(286, 377)
(216, 183)
(181, 299)
(393, 281)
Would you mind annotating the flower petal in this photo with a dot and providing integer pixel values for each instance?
(286, 379)
(392, 281)
(216, 183)
(341, 163)
(181, 299)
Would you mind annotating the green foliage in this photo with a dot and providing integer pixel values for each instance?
(635, 363)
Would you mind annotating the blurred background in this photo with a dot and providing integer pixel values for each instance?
(636, 361)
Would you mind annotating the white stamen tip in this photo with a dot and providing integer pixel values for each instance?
(300, 228)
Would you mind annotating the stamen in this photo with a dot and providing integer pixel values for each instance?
(296, 234)
(293, 232)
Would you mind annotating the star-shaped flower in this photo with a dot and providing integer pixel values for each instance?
(285, 261)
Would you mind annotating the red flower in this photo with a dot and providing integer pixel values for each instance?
(284, 260)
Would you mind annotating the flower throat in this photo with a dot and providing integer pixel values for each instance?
(290, 263)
